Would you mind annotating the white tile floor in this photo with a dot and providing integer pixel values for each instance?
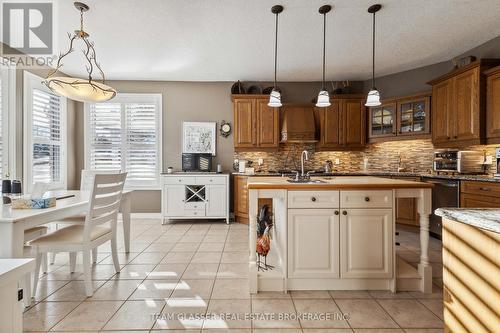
(185, 270)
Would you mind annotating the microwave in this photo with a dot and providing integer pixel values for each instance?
(459, 161)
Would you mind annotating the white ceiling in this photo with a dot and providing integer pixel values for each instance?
(227, 40)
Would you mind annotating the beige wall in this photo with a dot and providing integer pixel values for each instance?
(186, 101)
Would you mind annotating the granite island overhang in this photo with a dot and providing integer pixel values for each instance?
(336, 233)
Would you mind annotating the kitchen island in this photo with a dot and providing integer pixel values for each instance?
(337, 233)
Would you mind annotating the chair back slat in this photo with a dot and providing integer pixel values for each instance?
(105, 200)
(87, 178)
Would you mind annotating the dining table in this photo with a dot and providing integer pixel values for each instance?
(69, 203)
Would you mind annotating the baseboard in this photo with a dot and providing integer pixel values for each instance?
(145, 215)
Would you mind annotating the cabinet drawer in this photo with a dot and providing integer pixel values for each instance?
(366, 199)
(489, 189)
(313, 199)
(478, 201)
(179, 180)
(194, 212)
(194, 205)
(210, 180)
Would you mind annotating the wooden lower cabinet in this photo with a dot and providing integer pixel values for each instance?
(366, 243)
(471, 287)
(406, 208)
(240, 199)
(474, 194)
(313, 238)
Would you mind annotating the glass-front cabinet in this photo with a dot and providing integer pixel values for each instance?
(383, 120)
(406, 116)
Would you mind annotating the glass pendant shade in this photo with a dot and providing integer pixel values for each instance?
(275, 99)
(323, 99)
(373, 98)
(80, 89)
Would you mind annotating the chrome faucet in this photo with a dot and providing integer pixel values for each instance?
(302, 161)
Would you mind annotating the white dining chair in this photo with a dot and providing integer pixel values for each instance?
(31, 234)
(99, 228)
(86, 183)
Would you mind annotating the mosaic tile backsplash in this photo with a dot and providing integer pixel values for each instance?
(416, 156)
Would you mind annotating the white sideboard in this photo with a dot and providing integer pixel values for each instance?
(195, 196)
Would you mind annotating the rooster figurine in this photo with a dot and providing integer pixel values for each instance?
(264, 225)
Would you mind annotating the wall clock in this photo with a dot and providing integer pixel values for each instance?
(225, 129)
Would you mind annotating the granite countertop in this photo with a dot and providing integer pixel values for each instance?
(484, 178)
(485, 218)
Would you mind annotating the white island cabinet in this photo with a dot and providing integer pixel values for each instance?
(195, 196)
(337, 233)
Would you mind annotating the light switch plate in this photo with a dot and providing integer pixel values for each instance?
(337, 161)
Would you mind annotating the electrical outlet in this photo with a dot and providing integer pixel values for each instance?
(337, 161)
(20, 295)
(261, 161)
(488, 160)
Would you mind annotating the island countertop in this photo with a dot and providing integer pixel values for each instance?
(334, 183)
(484, 218)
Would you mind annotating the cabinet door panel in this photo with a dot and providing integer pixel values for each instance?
(493, 107)
(466, 94)
(330, 124)
(382, 121)
(442, 116)
(267, 125)
(217, 200)
(353, 112)
(241, 196)
(244, 120)
(313, 242)
(173, 200)
(366, 247)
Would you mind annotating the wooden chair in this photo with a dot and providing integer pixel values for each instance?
(86, 183)
(99, 228)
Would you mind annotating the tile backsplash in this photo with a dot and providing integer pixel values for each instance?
(416, 156)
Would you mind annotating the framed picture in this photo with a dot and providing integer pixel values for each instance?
(198, 137)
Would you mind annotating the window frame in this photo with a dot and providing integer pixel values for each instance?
(124, 98)
(8, 73)
(31, 82)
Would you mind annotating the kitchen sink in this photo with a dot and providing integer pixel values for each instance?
(306, 181)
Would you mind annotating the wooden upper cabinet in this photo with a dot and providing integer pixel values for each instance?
(353, 112)
(244, 120)
(493, 105)
(342, 125)
(459, 105)
(329, 120)
(466, 95)
(267, 124)
(400, 118)
(256, 125)
(442, 116)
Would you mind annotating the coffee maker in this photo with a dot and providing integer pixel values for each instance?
(497, 163)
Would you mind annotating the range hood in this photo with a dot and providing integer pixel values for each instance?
(298, 124)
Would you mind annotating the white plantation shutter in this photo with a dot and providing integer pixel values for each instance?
(125, 134)
(105, 137)
(45, 135)
(2, 109)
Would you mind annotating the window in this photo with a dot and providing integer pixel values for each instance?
(7, 121)
(44, 135)
(125, 134)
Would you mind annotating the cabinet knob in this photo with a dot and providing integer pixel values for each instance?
(367, 199)
(336, 212)
(179, 180)
(313, 199)
(485, 189)
(211, 180)
(455, 137)
(448, 138)
(344, 212)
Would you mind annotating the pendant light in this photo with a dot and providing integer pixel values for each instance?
(323, 97)
(78, 89)
(373, 98)
(275, 96)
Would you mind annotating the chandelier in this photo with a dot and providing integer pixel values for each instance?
(83, 90)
